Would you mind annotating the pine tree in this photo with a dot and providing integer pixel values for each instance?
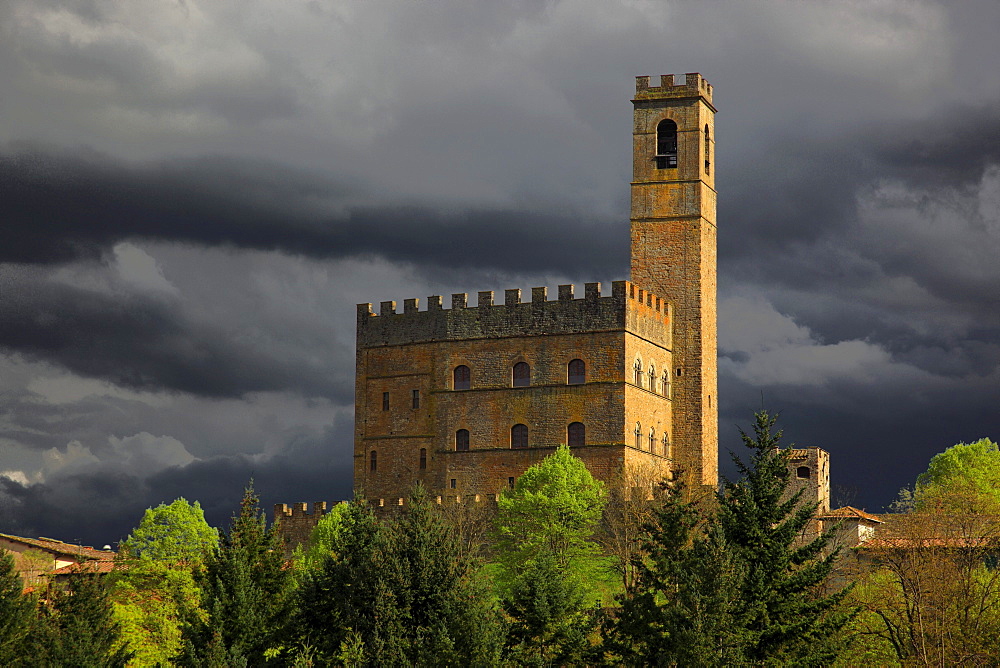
(732, 586)
(78, 628)
(398, 593)
(16, 613)
(784, 615)
(681, 608)
(549, 619)
(246, 591)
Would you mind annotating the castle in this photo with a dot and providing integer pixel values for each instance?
(464, 399)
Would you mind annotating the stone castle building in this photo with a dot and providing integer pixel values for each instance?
(464, 399)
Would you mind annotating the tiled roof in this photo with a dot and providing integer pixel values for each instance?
(100, 567)
(59, 547)
(848, 513)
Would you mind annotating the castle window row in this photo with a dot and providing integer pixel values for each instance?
(649, 380)
(520, 375)
(576, 436)
(650, 443)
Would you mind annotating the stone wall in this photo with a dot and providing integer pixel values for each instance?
(417, 351)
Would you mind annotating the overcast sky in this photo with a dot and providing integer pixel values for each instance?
(194, 194)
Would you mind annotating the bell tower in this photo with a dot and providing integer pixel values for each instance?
(674, 251)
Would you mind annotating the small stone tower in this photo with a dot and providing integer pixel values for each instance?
(674, 250)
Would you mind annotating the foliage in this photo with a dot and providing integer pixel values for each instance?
(683, 606)
(16, 612)
(398, 593)
(246, 591)
(175, 533)
(324, 540)
(151, 599)
(553, 510)
(963, 478)
(786, 617)
(549, 621)
(629, 510)
(932, 593)
(735, 586)
(78, 628)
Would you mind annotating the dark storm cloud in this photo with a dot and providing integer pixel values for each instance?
(58, 207)
(102, 505)
(143, 343)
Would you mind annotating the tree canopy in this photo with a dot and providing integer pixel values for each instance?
(175, 532)
(553, 509)
(964, 478)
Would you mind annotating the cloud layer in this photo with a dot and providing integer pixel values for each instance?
(195, 195)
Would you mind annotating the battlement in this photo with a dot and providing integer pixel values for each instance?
(298, 510)
(694, 86)
(629, 307)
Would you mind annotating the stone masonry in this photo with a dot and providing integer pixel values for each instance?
(409, 411)
(674, 252)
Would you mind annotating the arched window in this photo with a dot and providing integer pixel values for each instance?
(577, 372)
(463, 377)
(638, 373)
(802, 472)
(652, 378)
(652, 440)
(462, 440)
(522, 374)
(519, 436)
(373, 462)
(666, 445)
(423, 458)
(665, 383)
(638, 436)
(666, 144)
(576, 434)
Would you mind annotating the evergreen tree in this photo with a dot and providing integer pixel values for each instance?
(399, 593)
(733, 586)
(783, 614)
(246, 591)
(16, 613)
(682, 608)
(549, 620)
(78, 628)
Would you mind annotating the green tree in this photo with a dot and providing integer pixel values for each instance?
(784, 616)
(682, 608)
(550, 623)
(399, 593)
(16, 613)
(246, 591)
(964, 478)
(172, 533)
(154, 591)
(553, 510)
(735, 586)
(150, 600)
(78, 628)
(323, 541)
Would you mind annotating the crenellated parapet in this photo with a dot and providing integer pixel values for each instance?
(694, 86)
(295, 523)
(628, 307)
